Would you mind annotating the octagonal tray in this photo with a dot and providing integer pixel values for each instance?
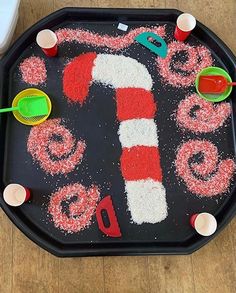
(96, 123)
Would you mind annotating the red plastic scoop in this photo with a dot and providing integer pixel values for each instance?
(106, 205)
(213, 84)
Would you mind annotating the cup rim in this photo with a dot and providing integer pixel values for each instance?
(214, 222)
(189, 16)
(42, 34)
(7, 193)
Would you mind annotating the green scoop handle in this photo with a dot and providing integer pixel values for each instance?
(9, 109)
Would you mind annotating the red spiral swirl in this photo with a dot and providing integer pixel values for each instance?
(197, 58)
(207, 117)
(54, 147)
(80, 211)
(214, 179)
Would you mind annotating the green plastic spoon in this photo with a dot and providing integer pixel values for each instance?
(30, 106)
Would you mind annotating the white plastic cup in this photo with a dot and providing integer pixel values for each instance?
(47, 41)
(205, 224)
(16, 194)
(184, 25)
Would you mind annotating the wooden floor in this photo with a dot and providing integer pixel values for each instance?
(24, 267)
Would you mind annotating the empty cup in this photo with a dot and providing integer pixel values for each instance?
(204, 223)
(16, 194)
(47, 40)
(184, 25)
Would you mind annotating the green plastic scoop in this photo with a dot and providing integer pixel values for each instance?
(30, 106)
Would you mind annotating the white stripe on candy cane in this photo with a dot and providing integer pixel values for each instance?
(112, 70)
(148, 195)
(135, 132)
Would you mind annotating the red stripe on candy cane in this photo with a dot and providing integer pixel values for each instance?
(134, 103)
(140, 159)
(77, 77)
(141, 162)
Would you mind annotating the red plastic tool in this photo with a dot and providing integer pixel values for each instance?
(113, 230)
(213, 84)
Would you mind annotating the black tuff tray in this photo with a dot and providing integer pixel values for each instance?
(172, 236)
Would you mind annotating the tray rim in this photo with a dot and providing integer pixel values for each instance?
(112, 248)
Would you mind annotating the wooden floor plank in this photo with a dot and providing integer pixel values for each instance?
(214, 265)
(126, 274)
(170, 272)
(6, 253)
(34, 270)
(81, 275)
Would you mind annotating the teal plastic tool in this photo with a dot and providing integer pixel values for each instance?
(143, 39)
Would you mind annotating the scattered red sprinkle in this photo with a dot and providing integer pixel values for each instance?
(54, 147)
(216, 178)
(207, 117)
(80, 211)
(77, 77)
(114, 43)
(198, 58)
(33, 70)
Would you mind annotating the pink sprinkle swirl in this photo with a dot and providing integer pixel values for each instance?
(54, 147)
(215, 179)
(207, 117)
(80, 211)
(197, 59)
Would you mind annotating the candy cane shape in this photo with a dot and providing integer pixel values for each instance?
(140, 158)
